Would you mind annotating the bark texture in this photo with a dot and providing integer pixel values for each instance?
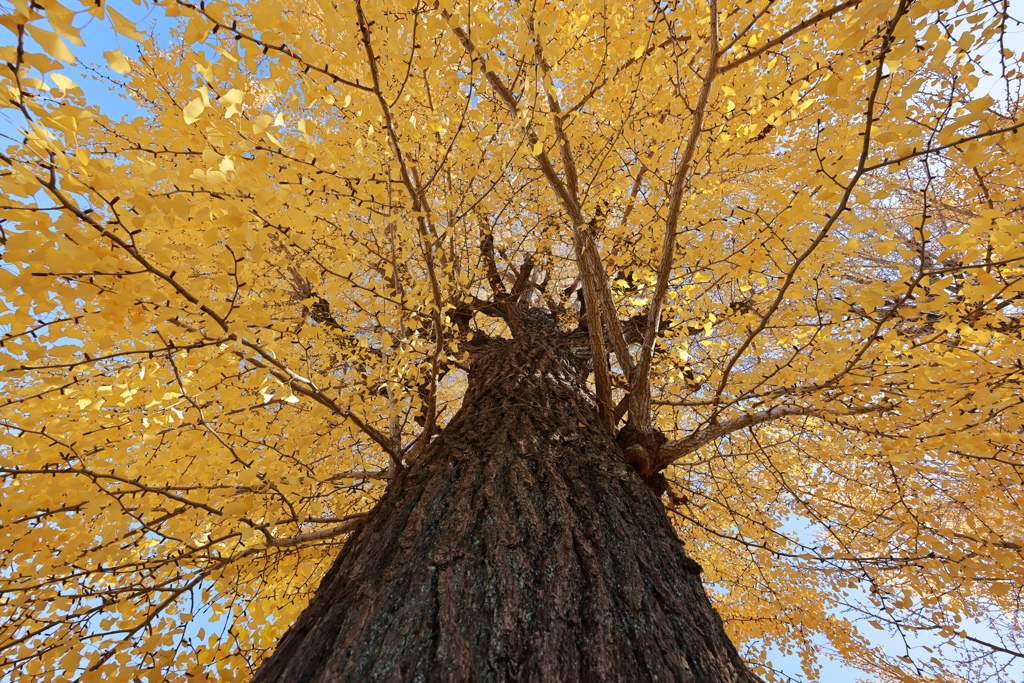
(520, 547)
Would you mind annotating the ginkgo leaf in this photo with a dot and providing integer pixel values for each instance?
(61, 19)
(63, 82)
(123, 25)
(52, 44)
(117, 61)
(233, 100)
(193, 110)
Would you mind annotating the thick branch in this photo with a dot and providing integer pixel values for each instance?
(593, 258)
(350, 523)
(640, 387)
(781, 38)
(421, 207)
(493, 276)
(522, 280)
(588, 273)
(673, 450)
(861, 169)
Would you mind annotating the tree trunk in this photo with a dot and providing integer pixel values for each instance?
(519, 547)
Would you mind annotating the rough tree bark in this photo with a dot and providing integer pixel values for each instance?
(519, 547)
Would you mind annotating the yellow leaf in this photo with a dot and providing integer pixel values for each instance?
(63, 82)
(193, 110)
(52, 44)
(123, 25)
(261, 124)
(233, 99)
(117, 61)
(60, 18)
(237, 507)
(21, 9)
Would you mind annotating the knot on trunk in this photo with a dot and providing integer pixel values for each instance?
(640, 448)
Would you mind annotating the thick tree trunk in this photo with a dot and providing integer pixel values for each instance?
(520, 547)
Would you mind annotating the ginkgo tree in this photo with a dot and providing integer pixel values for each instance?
(427, 332)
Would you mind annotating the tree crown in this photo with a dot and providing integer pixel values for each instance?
(787, 238)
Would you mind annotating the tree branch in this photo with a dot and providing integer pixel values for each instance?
(869, 120)
(305, 387)
(588, 274)
(421, 207)
(779, 39)
(673, 450)
(350, 523)
(493, 276)
(591, 255)
(640, 388)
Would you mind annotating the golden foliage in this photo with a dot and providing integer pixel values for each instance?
(225, 322)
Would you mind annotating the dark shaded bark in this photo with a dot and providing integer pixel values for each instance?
(519, 547)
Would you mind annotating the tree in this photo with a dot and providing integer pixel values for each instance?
(509, 296)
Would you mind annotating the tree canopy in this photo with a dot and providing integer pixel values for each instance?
(226, 322)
